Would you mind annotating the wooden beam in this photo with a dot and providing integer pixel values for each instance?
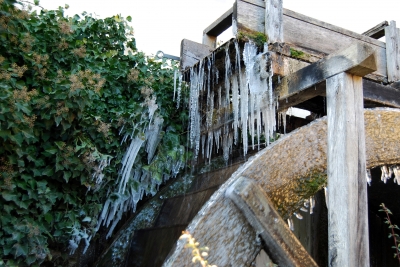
(221, 24)
(378, 31)
(285, 249)
(392, 52)
(358, 59)
(211, 33)
(347, 186)
(274, 21)
(315, 37)
(192, 52)
(381, 94)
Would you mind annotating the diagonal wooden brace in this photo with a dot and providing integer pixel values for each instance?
(284, 248)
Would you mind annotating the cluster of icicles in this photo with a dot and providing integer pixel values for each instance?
(244, 101)
(133, 181)
(388, 172)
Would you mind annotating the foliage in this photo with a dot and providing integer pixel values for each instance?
(299, 54)
(258, 38)
(392, 227)
(199, 253)
(70, 89)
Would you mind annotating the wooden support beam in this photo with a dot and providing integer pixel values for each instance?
(358, 59)
(211, 33)
(381, 94)
(285, 249)
(347, 186)
(378, 31)
(312, 36)
(220, 25)
(274, 21)
(393, 52)
(192, 52)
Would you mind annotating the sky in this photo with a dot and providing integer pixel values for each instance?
(162, 24)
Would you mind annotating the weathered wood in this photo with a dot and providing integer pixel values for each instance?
(347, 213)
(221, 24)
(210, 41)
(392, 52)
(192, 52)
(274, 21)
(285, 249)
(262, 260)
(314, 37)
(358, 59)
(211, 33)
(384, 95)
(378, 31)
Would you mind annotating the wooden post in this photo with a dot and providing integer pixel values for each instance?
(392, 52)
(347, 186)
(274, 21)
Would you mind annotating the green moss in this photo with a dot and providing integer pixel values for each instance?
(298, 54)
(258, 38)
(309, 186)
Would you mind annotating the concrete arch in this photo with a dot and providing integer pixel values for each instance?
(280, 169)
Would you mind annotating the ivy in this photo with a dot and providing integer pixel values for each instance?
(74, 92)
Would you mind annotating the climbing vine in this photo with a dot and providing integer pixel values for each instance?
(74, 95)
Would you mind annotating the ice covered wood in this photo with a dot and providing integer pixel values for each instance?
(285, 249)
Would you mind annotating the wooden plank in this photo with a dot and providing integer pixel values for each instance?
(357, 59)
(347, 187)
(192, 52)
(384, 95)
(315, 37)
(320, 39)
(210, 41)
(249, 16)
(378, 31)
(285, 249)
(274, 21)
(392, 52)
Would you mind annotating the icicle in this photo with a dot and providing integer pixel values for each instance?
(234, 27)
(303, 209)
(385, 174)
(217, 136)
(298, 216)
(396, 171)
(235, 106)
(290, 224)
(282, 116)
(312, 205)
(368, 176)
(175, 77)
(127, 162)
(326, 196)
(307, 203)
(153, 137)
(228, 73)
(178, 99)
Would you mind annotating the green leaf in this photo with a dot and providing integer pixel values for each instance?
(129, 18)
(48, 171)
(21, 249)
(52, 150)
(48, 217)
(9, 196)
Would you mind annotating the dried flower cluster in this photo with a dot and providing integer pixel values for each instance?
(79, 52)
(19, 71)
(65, 27)
(133, 75)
